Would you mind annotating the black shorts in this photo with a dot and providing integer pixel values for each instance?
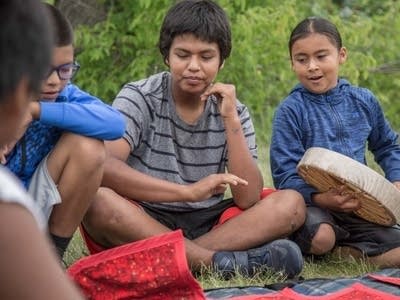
(350, 230)
(193, 223)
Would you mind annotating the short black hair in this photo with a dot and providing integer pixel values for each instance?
(203, 18)
(63, 33)
(25, 45)
(315, 25)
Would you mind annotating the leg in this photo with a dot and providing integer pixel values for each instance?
(277, 216)
(112, 220)
(323, 240)
(379, 245)
(317, 236)
(387, 259)
(76, 166)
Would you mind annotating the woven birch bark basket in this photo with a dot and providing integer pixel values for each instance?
(325, 169)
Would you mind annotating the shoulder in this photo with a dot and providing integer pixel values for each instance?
(155, 84)
(295, 101)
(72, 93)
(362, 95)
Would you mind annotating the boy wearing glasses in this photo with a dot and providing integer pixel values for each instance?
(59, 154)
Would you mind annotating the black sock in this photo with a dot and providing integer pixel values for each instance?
(61, 244)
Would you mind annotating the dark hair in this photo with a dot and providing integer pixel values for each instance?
(315, 25)
(25, 45)
(62, 28)
(202, 18)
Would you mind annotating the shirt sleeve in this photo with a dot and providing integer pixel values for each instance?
(248, 130)
(286, 151)
(137, 111)
(383, 142)
(81, 113)
(12, 191)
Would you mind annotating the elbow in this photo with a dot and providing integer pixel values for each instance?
(118, 129)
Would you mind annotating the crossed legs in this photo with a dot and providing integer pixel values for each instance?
(112, 220)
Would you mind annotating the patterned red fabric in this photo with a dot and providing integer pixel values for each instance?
(356, 291)
(391, 280)
(153, 269)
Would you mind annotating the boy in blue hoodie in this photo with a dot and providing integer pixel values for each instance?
(59, 153)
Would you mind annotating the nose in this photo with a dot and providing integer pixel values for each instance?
(194, 64)
(53, 78)
(312, 65)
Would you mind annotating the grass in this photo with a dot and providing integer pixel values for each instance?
(329, 266)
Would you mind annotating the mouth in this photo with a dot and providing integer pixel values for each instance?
(193, 80)
(315, 78)
(49, 95)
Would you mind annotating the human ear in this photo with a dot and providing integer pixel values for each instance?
(342, 55)
(222, 65)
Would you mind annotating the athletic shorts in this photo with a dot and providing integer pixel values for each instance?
(350, 230)
(43, 189)
(192, 223)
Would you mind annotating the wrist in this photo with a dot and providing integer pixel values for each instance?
(185, 193)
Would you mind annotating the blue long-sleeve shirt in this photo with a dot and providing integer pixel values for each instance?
(74, 111)
(346, 119)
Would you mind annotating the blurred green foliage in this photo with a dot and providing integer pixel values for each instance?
(123, 48)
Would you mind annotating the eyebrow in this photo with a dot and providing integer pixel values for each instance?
(316, 52)
(208, 50)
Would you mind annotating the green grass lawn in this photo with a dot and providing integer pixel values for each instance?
(328, 267)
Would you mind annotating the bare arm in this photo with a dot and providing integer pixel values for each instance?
(240, 160)
(133, 184)
(30, 269)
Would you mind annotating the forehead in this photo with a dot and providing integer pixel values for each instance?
(312, 43)
(189, 42)
(63, 55)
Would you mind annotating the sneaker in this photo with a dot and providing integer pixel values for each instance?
(279, 256)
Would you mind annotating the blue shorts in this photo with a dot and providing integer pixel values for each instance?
(350, 230)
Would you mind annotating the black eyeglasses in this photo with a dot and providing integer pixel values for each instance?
(66, 71)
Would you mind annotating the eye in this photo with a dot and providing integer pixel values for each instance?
(301, 60)
(207, 57)
(182, 55)
(65, 70)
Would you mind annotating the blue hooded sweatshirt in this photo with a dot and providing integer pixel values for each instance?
(347, 119)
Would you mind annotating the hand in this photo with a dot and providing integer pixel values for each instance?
(397, 184)
(226, 97)
(212, 185)
(4, 150)
(337, 199)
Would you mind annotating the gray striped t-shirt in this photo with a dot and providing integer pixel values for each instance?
(166, 147)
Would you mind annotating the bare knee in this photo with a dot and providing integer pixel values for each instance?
(290, 207)
(89, 151)
(100, 211)
(324, 240)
